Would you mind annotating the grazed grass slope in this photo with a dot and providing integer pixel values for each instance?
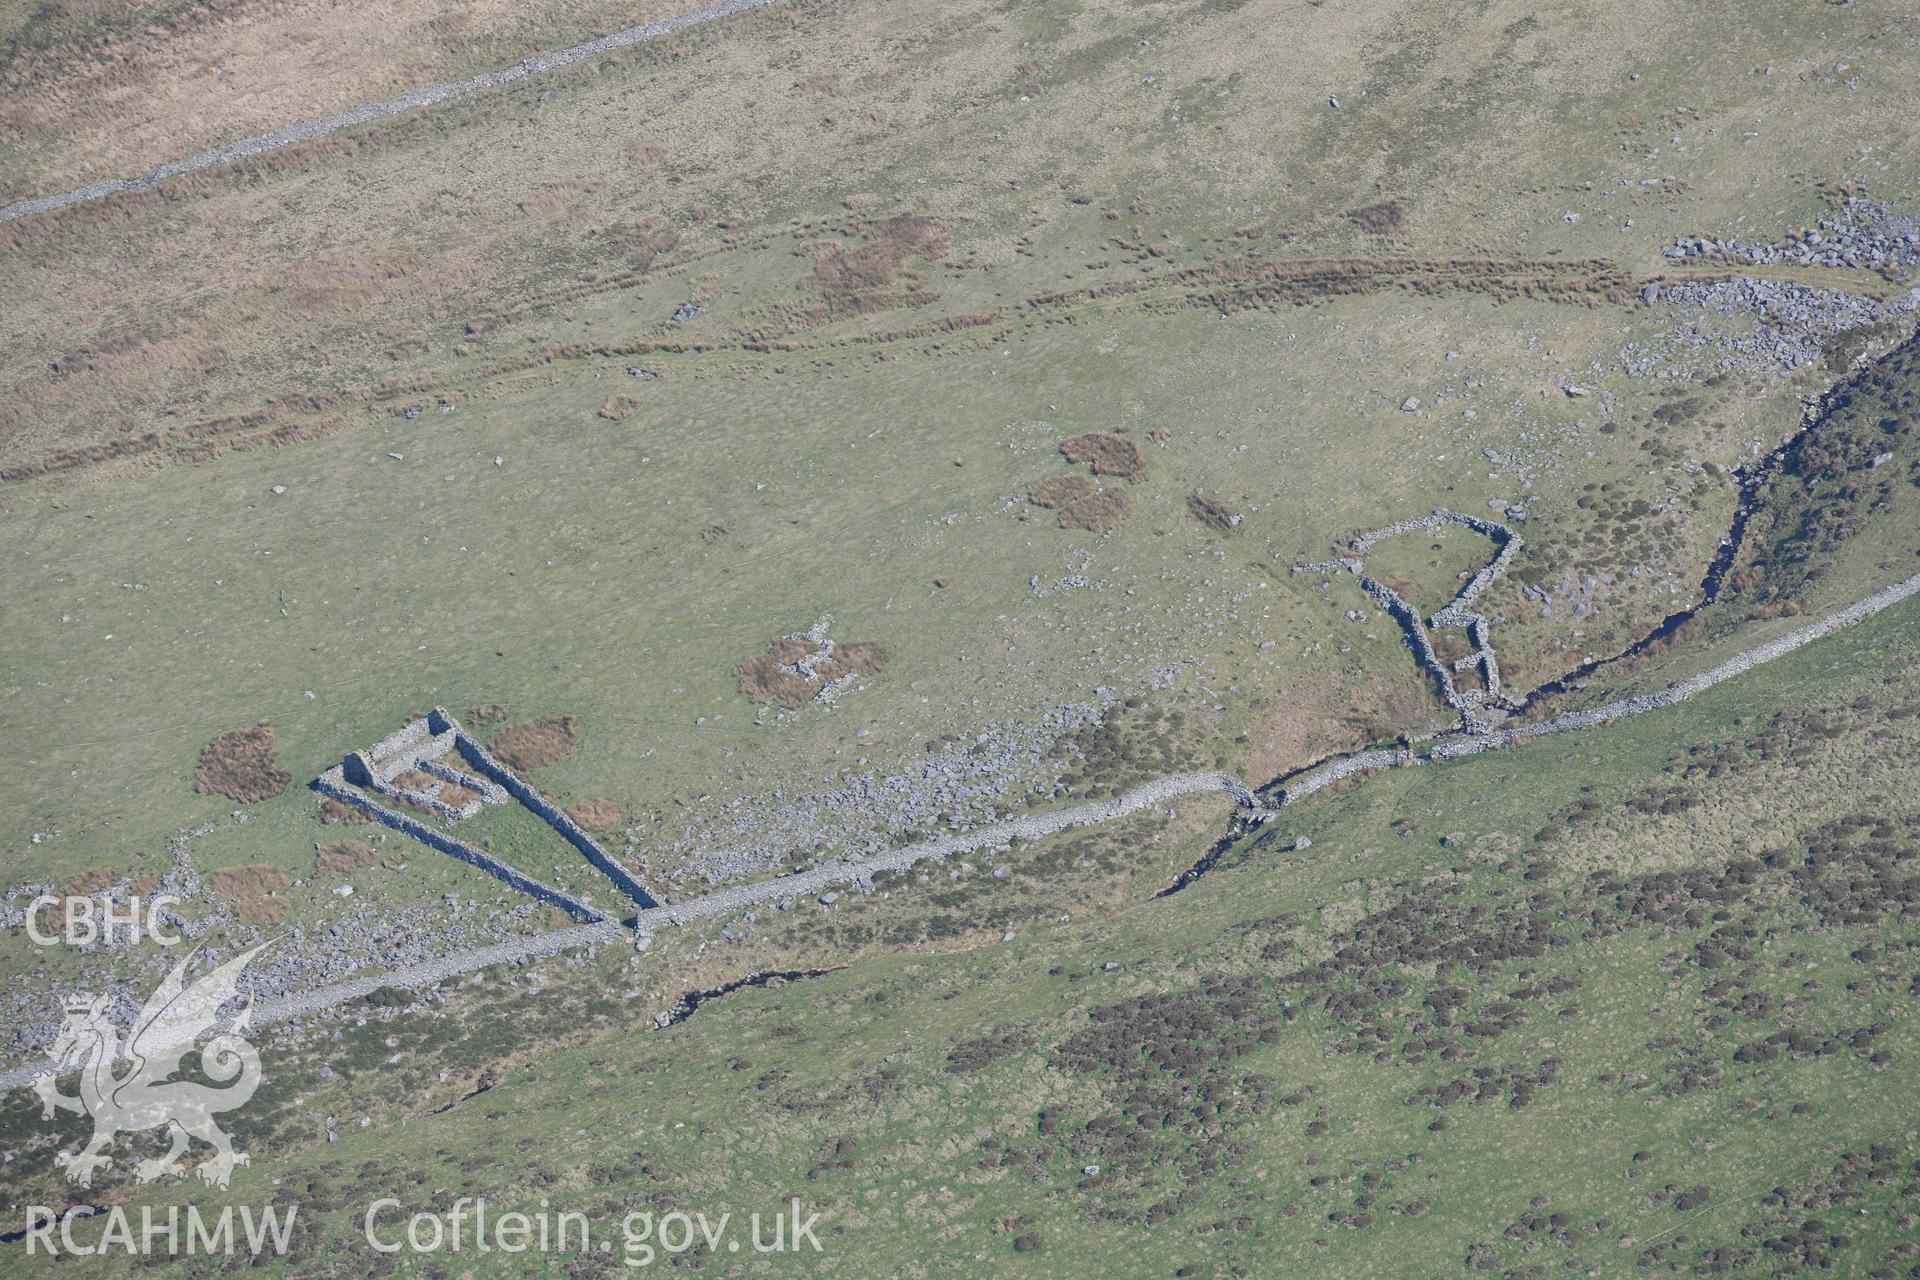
(1620, 1010)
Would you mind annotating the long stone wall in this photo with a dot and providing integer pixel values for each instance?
(334, 783)
(228, 152)
(602, 930)
(999, 835)
(483, 761)
(1293, 790)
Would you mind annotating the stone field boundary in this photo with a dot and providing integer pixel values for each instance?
(366, 112)
(1149, 795)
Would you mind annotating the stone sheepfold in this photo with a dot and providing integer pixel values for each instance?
(605, 931)
(424, 744)
(1457, 612)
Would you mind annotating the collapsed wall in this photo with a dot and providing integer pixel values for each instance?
(1456, 612)
(1298, 788)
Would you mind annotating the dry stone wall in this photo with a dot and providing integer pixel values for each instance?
(484, 762)
(334, 783)
(1456, 612)
(1295, 789)
(368, 112)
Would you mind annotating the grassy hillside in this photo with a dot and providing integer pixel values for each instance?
(1024, 352)
(1616, 1010)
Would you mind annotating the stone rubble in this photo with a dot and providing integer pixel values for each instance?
(1863, 234)
(1153, 794)
(1772, 326)
(1472, 704)
(1297, 788)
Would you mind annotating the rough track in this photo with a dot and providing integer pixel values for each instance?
(1149, 795)
(430, 95)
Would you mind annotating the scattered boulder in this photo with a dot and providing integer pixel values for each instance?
(796, 669)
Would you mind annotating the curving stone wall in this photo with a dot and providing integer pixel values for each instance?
(1455, 613)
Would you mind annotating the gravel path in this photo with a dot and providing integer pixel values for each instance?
(1149, 795)
(366, 112)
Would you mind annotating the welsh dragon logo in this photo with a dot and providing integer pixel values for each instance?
(174, 1017)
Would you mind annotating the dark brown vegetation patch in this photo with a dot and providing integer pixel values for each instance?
(983, 1051)
(1102, 512)
(338, 811)
(342, 857)
(597, 815)
(1058, 491)
(255, 892)
(1212, 511)
(1108, 455)
(239, 765)
(619, 408)
(849, 279)
(88, 883)
(784, 674)
(235, 883)
(270, 908)
(765, 679)
(537, 743)
(1379, 219)
(861, 658)
(488, 713)
(788, 650)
